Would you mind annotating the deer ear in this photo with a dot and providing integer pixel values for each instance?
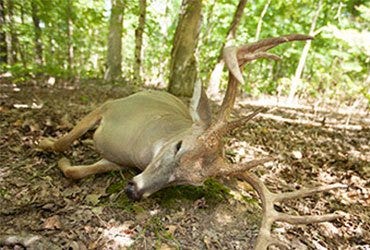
(199, 107)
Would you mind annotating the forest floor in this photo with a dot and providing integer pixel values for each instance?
(41, 208)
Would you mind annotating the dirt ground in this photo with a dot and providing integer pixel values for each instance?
(41, 209)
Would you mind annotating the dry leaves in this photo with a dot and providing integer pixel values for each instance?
(35, 197)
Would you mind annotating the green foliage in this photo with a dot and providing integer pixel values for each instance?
(337, 65)
(121, 201)
(156, 226)
(3, 192)
(88, 37)
(212, 191)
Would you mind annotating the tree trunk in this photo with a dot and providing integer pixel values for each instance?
(183, 69)
(260, 21)
(37, 30)
(11, 37)
(214, 82)
(21, 48)
(70, 35)
(3, 48)
(139, 42)
(302, 61)
(209, 23)
(114, 54)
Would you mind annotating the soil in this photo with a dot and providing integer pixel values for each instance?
(41, 209)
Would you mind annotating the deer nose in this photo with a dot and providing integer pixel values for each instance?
(132, 192)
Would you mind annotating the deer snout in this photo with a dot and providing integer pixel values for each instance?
(132, 191)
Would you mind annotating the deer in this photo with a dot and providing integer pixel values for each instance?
(171, 144)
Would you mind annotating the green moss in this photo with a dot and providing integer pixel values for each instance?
(3, 192)
(84, 99)
(121, 201)
(172, 197)
(116, 187)
(212, 191)
(137, 208)
(250, 200)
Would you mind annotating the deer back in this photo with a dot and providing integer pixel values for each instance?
(133, 129)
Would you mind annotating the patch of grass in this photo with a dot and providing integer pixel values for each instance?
(121, 200)
(156, 227)
(116, 187)
(84, 99)
(212, 191)
(172, 197)
(3, 192)
(250, 200)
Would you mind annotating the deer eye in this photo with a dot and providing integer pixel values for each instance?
(178, 146)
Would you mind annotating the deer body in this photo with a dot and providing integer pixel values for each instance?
(132, 129)
(155, 132)
(149, 130)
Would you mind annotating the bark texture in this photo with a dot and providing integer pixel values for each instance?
(11, 38)
(37, 30)
(302, 61)
(69, 11)
(260, 21)
(139, 42)
(114, 54)
(3, 49)
(183, 65)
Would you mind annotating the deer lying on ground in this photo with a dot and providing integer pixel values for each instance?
(155, 132)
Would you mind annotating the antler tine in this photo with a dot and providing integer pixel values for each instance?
(236, 57)
(269, 43)
(227, 169)
(232, 62)
(241, 121)
(307, 192)
(270, 215)
(235, 76)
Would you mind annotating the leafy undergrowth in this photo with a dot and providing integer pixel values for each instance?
(94, 213)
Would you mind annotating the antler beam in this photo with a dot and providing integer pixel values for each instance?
(236, 57)
(270, 215)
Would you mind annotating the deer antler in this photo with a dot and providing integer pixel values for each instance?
(235, 58)
(270, 215)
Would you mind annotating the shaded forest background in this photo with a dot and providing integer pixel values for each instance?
(60, 59)
(68, 39)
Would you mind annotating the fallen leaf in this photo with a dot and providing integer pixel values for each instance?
(297, 154)
(93, 199)
(97, 210)
(171, 229)
(52, 222)
(164, 246)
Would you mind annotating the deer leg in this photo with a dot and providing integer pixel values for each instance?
(81, 171)
(81, 128)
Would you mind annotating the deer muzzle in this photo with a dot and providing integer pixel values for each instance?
(132, 191)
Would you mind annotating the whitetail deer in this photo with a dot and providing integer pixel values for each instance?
(155, 132)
